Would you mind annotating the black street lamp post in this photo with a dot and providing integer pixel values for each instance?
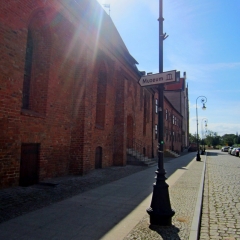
(203, 101)
(203, 135)
(160, 210)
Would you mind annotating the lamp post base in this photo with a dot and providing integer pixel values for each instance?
(160, 211)
(160, 219)
(198, 158)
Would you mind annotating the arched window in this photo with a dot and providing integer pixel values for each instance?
(101, 96)
(27, 71)
(36, 71)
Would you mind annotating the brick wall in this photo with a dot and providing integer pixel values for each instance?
(62, 90)
(172, 127)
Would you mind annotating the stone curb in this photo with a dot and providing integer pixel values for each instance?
(190, 230)
(195, 227)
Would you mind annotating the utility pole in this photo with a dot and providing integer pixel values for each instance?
(160, 210)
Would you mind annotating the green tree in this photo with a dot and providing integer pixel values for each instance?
(238, 139)
(212, 138)
(228, 139)
(192, 138)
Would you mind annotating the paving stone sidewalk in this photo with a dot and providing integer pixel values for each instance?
(183, 195)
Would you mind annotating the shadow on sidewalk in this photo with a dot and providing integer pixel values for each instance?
(170, 232)
(212, 154)
(105, 206)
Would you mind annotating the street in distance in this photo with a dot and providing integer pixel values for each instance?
(158, 78)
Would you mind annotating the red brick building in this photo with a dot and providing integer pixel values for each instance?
(69, 95)
(172, 128)
(177, 95)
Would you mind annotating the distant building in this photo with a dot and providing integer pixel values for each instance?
(172, 127)
(177, 94)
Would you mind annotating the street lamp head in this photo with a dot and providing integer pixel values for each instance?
(203, 107)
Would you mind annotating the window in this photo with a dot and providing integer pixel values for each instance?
(144, 114)
(173, 119)
(101, 96)
(148, 107)
(166, 114)
(36, 70)
(166, 135)
(156, 131)
(146, 111)
(28, 70)
(141, 98)
(156, 105)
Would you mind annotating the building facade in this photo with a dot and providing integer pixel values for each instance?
(177, 94)
(172, 128)
(70, 101)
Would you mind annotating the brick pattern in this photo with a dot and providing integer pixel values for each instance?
(172, 125)
(63, 89)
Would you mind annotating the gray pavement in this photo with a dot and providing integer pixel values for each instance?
(117, 210)
(186, 186)
(16, 201)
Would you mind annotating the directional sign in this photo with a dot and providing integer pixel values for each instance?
(158, 78)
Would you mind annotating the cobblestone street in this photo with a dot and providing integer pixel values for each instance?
(221, 202)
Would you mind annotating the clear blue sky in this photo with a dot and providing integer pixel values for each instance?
(204, 41)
